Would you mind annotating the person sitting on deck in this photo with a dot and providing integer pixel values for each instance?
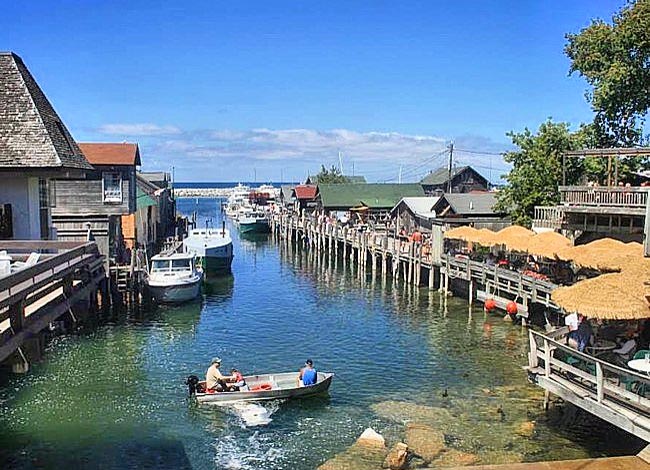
(572, 322)
(308, 375)
(214, 380)
(238, 380)
(583, 333)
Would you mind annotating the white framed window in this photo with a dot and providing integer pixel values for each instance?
(112, 186)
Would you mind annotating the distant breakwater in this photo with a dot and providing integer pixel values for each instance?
(203, 192)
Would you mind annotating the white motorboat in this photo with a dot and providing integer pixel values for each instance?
(174, 278)
(263, 387)
(240, 197)
(213, 248)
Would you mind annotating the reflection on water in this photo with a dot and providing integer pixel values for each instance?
(399, 354)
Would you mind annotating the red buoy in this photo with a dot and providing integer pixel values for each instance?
(511, 308)
(489, 305)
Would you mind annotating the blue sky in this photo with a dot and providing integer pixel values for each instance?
(224, 91)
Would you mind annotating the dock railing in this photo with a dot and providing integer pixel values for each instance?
(611, 392)
(33, 296)
(614, 196)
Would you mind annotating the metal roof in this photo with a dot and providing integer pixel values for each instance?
(32, 135)
(306, 191)
(373, 195)
(422, 206)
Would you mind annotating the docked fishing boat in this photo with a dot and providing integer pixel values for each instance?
(253, 221)
(213, 248)
(264, 387)
(240, 197)
(174, 278)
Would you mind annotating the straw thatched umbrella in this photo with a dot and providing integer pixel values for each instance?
(605, 254)
(613, 296)
(515, 237)
(464, 233)
(548, 244)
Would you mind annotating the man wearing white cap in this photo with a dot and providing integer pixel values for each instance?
(213, 378)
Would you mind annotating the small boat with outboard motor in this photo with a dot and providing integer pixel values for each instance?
(174, 278)
(262, 387)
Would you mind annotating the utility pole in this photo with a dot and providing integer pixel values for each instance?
(451, 161)
(399, 177)
(340, 162)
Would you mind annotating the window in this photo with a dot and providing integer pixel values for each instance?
(46, 193)
(160, 265)
(112, 187)
(183, 264)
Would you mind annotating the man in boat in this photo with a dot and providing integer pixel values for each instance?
(308, 375)
(214, 380)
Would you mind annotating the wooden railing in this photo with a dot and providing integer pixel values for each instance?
(604, 196)
(548, 217)
(32, 297)
(613, 393)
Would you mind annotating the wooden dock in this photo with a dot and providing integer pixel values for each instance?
(380, 252)
(613, 393)
(67, 275)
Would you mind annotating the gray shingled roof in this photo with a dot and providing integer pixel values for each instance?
(440, 175)
(31, 133)
(469, 203)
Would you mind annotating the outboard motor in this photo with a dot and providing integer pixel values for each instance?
(192, 383)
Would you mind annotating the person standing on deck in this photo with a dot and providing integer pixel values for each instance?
(308, 375)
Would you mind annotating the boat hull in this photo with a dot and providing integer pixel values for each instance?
(173, 294)
(254, 227)
(216, 265)
(285, 387)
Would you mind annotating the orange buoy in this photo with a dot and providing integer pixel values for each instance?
(511, 308)
(489, 305)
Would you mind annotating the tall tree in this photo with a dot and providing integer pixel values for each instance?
(331, 176)
(615, 60)
(537, 168)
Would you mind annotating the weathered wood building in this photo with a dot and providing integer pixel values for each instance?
(35, 147)
(464, 179)
(100, 199)
(476, 209)
(415, 213)
(304, 196)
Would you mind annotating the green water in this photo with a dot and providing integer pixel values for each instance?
(113, 396)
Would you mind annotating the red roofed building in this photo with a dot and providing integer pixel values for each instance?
(111, 153)
(305, 196)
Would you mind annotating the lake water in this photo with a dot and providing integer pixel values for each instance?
(113, 396)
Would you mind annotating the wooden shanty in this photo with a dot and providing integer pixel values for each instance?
(35, 148)
(375, 198)
(98, 201)
(464, 179)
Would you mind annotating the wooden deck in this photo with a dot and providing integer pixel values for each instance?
(613, 393)
(32, 298)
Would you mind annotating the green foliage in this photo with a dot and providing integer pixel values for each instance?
(615, 61)
(537, 168)
(331, 176)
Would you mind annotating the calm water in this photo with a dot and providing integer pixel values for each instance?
(113, 396)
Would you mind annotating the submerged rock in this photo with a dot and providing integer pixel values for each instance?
(403, 412)
(526, 429)
(367, 453)
(455, 458)
(371, 438)
(397, 458)
(424, 441)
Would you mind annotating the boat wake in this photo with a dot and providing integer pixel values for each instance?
(257, 451)
(253, 414)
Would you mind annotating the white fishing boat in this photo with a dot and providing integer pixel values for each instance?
(239, 197)
(263, 387)
(213, 248)
(174, 278)
(253, 221)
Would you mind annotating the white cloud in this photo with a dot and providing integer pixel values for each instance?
(138, 129)
(303, 144)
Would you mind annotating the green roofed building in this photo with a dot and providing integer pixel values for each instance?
(375, 197)
(313, 179)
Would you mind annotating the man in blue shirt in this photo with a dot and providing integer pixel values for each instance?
(308, 375)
